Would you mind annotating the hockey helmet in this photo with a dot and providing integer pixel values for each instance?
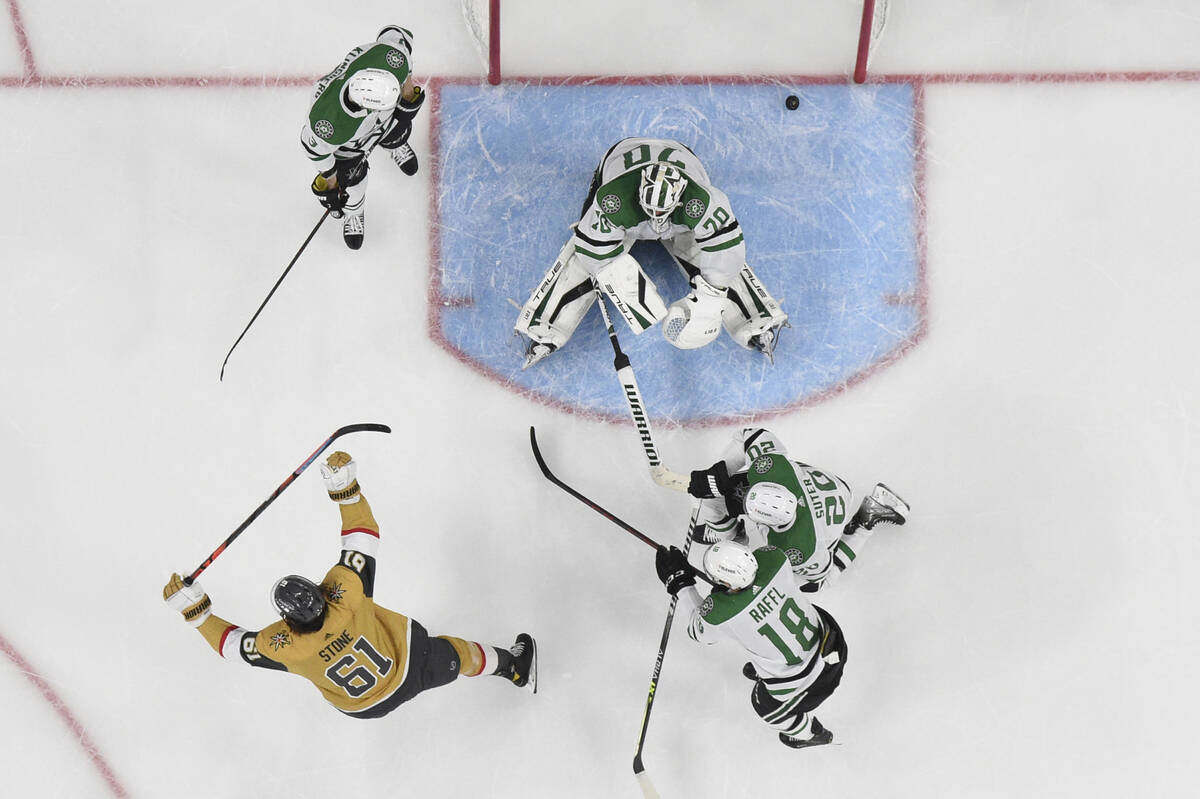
(771, 504)
(373, 89)
(660, 192)
(730, 564)
(300, 602)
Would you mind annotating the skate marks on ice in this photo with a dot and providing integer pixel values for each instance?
(825, 194)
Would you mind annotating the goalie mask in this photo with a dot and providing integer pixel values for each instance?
(730, 564)
(373, 89)
(771, 504)
(660, 192)
(300, 602)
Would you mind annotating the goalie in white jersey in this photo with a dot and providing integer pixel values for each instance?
(654, 189)
(796, 649)
(367, 100)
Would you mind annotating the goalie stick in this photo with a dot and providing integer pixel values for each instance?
(639, 768)
(636, 533)
(633, 396)
(341, 431)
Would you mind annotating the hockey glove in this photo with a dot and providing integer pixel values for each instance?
(190, 600)
(340, 473)
(710, 483)
(674, 570)
(332, 197)
(402, 117)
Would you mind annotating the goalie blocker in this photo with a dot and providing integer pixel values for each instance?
(750, 315)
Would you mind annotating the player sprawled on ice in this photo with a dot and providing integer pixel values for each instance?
(796, 649)
(654, 189)
(756, 495)
(365, 659)
(368, 99)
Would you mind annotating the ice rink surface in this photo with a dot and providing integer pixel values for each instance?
(1031, 632)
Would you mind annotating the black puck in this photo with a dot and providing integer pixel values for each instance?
(792, 102)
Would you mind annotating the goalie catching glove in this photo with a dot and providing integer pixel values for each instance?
(190, 600)
(340, 473)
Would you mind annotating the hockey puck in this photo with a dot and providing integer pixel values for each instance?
(792, 102)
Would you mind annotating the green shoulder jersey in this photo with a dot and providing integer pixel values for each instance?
(614, 218)
(334, 130)
(814, 541)
(772, 619)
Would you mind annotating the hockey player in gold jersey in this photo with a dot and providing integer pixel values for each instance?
(365, 659)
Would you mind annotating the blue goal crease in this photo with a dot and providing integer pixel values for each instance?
(824, 195)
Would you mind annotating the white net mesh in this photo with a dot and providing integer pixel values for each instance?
(475, 13)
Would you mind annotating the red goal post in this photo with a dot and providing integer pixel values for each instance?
(874, 17)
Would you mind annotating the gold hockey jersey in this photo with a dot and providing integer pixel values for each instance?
(360, 656)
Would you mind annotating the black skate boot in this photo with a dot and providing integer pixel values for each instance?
(406, 159)
(523, 671)
(882, 506)
(820, 736)
(354, 229)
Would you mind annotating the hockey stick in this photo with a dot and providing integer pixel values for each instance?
(636, 533)
(639, 768)
(295, 258)
(341, 431)
(658, 472)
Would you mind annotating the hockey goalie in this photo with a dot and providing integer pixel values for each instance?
(654, 189)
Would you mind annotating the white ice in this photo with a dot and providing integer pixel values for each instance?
(1031, 632)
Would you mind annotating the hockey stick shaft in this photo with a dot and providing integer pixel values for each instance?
(637, 409)
(271, 293)
(639, 767)
(341, 431)
(636, 533)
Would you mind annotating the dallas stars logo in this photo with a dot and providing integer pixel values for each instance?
(280, 639)
(395, 59)
(323, 128)
(610, 203)
(694, 208)
(794, 556)
(334, 592)
(762, 465)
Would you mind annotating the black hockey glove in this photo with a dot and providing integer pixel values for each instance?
(402, 117)
(674, 570)
(710, 483)
(332, 198)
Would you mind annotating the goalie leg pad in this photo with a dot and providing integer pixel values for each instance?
(695, 320)
(751, 310)
(634, 294)
(559, 303)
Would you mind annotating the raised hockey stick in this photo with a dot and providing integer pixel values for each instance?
(341, 431)
(633, 396)
(639, 768)
(636, 533)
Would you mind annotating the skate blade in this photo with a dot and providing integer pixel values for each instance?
(885, 496)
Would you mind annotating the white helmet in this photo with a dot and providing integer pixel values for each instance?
(730, 564)
(771, 504)
(660, 192)
(373, 89)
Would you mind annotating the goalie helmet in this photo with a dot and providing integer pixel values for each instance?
(730, 564)
(771, 504)
(660, 193)
(300, 602)
(373, 89)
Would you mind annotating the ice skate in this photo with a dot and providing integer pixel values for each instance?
(405, 158)
(523, 671)
(820, 736)
(536, 351)
(882, 506)
(765, 341)
(354, 228)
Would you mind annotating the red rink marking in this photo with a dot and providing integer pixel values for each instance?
(60, 707)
